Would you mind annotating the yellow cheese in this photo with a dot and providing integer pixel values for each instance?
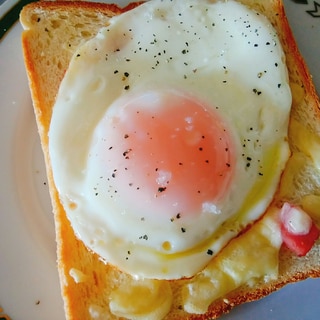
(250, 257)
(77, 275)
(139, 299)
(306, 141)
(311, 204)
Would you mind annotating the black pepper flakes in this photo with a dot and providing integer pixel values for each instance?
(162, 189)
(183, 230)
(209, 252)
(125, 154)
(256, 91)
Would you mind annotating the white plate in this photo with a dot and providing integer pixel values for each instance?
(29, 286)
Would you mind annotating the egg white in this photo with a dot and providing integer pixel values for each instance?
(217, 52)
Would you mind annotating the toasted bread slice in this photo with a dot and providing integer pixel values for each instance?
(53, 31)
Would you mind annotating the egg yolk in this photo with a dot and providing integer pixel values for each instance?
(168, 154)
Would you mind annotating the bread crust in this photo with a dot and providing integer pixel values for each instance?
(72, 254)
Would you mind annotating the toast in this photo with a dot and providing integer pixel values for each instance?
(53, 31)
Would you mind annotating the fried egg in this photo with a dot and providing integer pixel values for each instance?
(169, 134)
